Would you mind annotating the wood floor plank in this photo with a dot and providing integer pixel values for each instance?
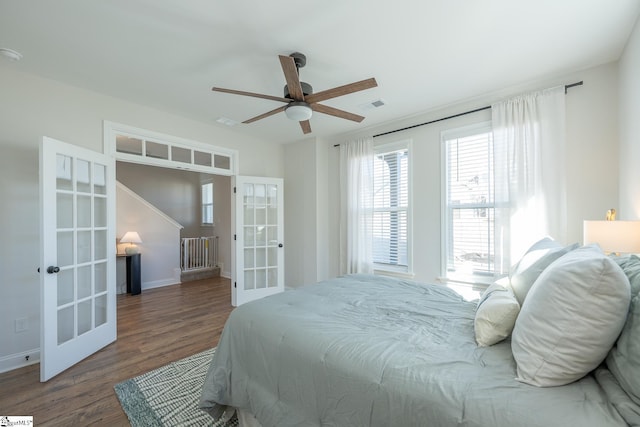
(157, 327)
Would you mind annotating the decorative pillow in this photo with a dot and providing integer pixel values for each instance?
(630, 264)
(538, 257)
(496, 315)
(624, 359)
(570, 319)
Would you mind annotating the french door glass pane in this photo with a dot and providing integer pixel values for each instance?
(249, 261)
(64, 173)
(84, 281)
(100, 271)
(65, 287)
(100, 244)
(100, 310)
(64, 210)
(84, 211)
(249, 279)
(84, 246)
(272, 278)
(83, 174)
(66, 248)
(84, 316)
(261, 257)
(65, 324)
(261, 278)
(100, 211)
(99, 179)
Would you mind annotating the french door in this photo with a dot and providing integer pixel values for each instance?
(77, 259)
(258, 216)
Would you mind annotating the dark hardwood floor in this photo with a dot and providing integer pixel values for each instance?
(154, 328)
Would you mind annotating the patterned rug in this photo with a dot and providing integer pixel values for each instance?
(168, 396)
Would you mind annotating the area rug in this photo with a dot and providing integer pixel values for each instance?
(168, 396)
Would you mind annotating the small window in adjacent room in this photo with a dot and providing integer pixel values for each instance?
(207, 203)
(469, 204)
(391, 213)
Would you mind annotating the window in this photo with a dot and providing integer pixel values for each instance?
(469, 205)
(207, 203)
(391, 208)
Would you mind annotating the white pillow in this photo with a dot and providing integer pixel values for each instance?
(496, 315)
(538, 257)
(572, 316)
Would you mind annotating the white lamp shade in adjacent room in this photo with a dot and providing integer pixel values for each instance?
(613, 236)
(131, 237)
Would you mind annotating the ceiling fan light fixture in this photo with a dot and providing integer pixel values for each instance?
(298, 111)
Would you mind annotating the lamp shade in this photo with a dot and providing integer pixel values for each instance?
(298, 111)
(131, 237)
(613, 236)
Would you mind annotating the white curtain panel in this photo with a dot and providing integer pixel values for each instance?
(356, 206)
(529, 150)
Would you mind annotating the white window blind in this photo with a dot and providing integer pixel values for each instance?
(207, 203)
(391, 209)
(470, 204)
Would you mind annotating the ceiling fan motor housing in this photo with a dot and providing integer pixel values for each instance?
(306, 90)
(299, 59)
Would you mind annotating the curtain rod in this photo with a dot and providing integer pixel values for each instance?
(566, 87)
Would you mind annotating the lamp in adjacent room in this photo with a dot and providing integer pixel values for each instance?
(614, 237)
(133, 238)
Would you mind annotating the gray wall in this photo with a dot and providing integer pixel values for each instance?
(177, 194)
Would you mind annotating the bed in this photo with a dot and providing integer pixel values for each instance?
(365, 350)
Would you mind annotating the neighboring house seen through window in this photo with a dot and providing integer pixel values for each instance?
(207, 203)
(469, 205)
(391, 214)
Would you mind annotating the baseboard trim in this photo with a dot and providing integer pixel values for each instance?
(19, 360)
(159, 283)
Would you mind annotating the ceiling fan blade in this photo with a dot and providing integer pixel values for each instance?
(291, 75)
(306, 127)
(267, 114)
(341, 90)
(337, 113)
(255, 95)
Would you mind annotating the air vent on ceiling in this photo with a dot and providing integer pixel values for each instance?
(373, 104)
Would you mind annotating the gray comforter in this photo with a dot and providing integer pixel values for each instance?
(375, 351)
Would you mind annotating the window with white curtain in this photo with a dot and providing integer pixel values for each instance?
(469, 203)
(206, 201)
(391, 203)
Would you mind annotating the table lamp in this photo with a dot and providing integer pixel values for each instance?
(614, 237)
(131, 237)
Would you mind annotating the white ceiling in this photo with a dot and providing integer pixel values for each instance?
(424, 53)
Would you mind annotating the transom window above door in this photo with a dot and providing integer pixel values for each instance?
(142, 146)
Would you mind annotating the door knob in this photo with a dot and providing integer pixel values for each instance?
(51, 269)
(280, 245)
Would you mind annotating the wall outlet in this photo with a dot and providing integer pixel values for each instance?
(21, 324)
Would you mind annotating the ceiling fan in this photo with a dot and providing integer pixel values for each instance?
(299, 97)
